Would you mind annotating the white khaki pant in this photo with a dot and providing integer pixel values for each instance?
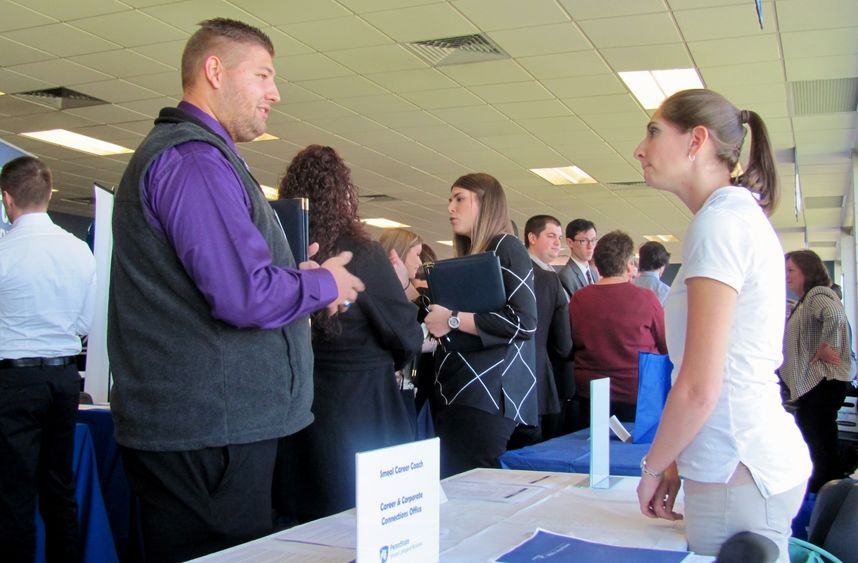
(716, 511)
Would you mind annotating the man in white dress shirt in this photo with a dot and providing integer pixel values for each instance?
(47, 290)
(577, 273)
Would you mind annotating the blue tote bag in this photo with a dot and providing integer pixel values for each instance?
(653, 386)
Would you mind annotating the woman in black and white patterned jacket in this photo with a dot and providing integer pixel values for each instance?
(816, 361)
(483, 394)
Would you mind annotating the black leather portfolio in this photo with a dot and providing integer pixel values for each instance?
(294, 215)
(473, 284)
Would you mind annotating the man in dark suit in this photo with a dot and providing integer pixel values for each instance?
(577, 273)
(554, 378)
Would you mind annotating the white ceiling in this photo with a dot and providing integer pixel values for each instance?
(408, 129)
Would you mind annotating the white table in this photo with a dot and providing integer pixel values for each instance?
(478, 523)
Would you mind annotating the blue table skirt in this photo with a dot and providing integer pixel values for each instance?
(95, 536)
(571, 454)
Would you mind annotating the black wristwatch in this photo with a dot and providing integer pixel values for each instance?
(453, 321)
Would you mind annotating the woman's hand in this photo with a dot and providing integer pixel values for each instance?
(826, 354)
(657, 495)
(436, 320)
(398, 267)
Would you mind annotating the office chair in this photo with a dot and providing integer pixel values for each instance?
(834, 520)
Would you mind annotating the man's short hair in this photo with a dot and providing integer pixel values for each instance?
(653, 256)
(213, 32)
(28, 180)
(536, 225)
(576, 226)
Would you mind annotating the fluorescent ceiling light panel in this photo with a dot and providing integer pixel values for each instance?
(77, 142)
(651, 87)
(270, 193)
(445, 242)
(385, 223)
(564, 176)
(266, 137)
(661, 238)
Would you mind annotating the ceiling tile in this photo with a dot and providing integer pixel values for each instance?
(723, 22)
(587, 9)
(648, 57)
(491, 15)
(187, 14)
(744, 49)
(796, 15)
(561, 65)
(121, 63)
(311, 66)
(412, 80)
(602, 104)
(11, 82)
(512, 92)
(742, 73)
(60, 72)
(164, 83)
(417, 23)
(116, 91)
(276, 12)
(490, 72)
(16, 16)
(338, 33)
(129, 29)
(363, 6)
(62, 39)
(400, 120)
(375, 105)
(527, 110)
(14, 53)
(821, 68)
(342, 87)
(581, 86)
(481, 129)
(382, 58)
(820, 43)
(628, 31)
(444, 98)
(167, 52)
(314, 110)
(470, 114)
(541, 40)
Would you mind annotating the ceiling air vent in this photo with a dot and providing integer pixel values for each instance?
(457, 50)
(812, 97)
(823, 243)
(376, 198)
(59, 98)
(823, 202)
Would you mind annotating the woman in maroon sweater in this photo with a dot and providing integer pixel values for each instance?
(612, 320)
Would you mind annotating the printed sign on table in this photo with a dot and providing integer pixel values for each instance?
(398, 504)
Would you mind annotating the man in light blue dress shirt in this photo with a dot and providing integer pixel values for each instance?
(654, 258)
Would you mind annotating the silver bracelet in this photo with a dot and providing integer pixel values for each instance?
(647, 471)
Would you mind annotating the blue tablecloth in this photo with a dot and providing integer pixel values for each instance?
(96, 538)
(571, 454)
(114, 486)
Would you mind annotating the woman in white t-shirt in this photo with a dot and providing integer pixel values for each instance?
(742, 458)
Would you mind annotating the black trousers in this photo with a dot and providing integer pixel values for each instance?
(196, 502)
(817, 419)
(625, 412)
(38, 412)
(471, 438)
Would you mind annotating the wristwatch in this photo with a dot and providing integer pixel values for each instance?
(453, 321)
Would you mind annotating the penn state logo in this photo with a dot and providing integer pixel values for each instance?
(382, 554)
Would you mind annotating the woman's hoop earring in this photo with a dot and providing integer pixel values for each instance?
(691, 157)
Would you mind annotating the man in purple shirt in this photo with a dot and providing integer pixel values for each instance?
(207, 323)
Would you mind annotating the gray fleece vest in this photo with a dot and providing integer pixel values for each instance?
(184, 380)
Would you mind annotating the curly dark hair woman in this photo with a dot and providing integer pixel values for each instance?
(319, 174)
(357, 403)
